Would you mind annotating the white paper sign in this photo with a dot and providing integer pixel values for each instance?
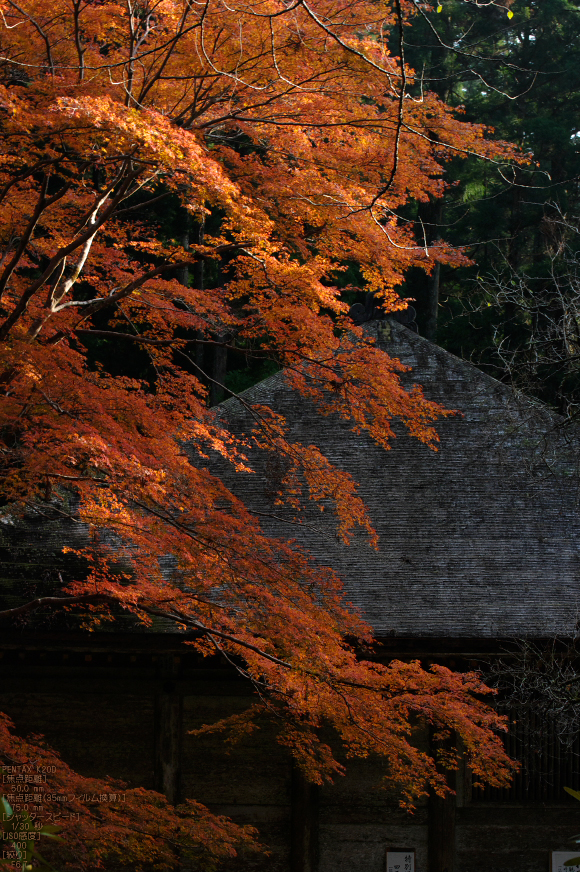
(560, 857)
(402, 861)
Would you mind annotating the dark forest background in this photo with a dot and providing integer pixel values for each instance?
(516, 311)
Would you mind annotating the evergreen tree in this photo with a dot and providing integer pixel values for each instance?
(516, 309)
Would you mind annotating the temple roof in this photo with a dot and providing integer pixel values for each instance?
(479, 539)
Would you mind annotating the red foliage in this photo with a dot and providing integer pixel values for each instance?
(106, 822)
(292, 124)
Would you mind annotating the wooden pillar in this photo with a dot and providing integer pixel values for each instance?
(303, 823)
(168, 736)
(442, 829)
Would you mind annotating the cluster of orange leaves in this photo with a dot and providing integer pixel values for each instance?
(292, 129)
(113, 823)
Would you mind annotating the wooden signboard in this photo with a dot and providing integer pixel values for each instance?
(558, 858)
(400, 860)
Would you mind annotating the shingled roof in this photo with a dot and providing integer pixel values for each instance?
(480, 539)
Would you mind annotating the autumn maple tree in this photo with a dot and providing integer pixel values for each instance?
(284, 132)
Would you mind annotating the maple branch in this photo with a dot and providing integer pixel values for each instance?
(268, 15)
(343, 44)
(27, 173)
(498, 59)
(145, 205)
(78, 43)
(82, 599)
(53, 301)
(221, 72)
(121, 177)
(207, 631)
(40, 31)
(400, 109)
(95, 305)
(41, 205)
(163, 343)
(176, 342)
(144, 340)
(58, 602)
(238, 668)
(195, 536)
(275, 122)
(61, 254)
(257, 417)
(471, 153)
(136, 40)
(179, 617)
(398, 131)
(129, 85)
(170, 48)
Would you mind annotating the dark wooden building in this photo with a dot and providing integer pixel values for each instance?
(479, 545)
